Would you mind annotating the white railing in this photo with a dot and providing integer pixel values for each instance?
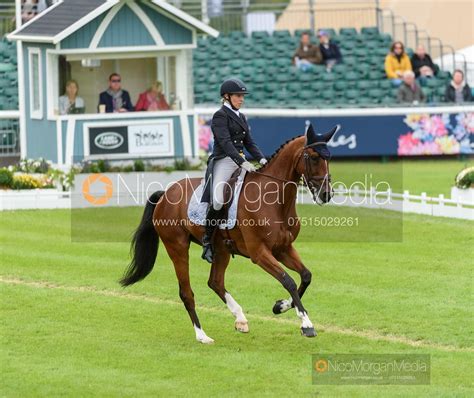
(402, 202)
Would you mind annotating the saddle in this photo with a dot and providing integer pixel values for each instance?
(229, 191)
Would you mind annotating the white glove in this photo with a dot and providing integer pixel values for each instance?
(263, 161)
(247, 166)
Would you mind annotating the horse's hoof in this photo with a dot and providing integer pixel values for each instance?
(277, 307)
(308, 332)
(205, 340)
(242, 327)
(281, 306)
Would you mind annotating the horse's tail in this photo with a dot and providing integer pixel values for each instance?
(144, 245)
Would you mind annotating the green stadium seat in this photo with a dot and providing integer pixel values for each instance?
(340, 69)
(376, 93)
(295, 87)
(282, 62)
(317, 86)
(349, 60)
(364, 102)
(369, 31)
(388, 101)
(328, 77)
(259, 35)
(443, 75)
(361, 53)
(375, 75)
(259, 63)
(305, 77)
(352, 76)
(271, 87)
(328, 94)
(433, 83)
(7, 67)
(236, 35)
(352, 95)
(340, 85)
(348, 32)
(385, 84)
(305, 95)
(283, 78)
(365, 85)
(279, 34)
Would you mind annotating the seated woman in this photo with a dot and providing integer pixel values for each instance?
(152, 99)
(396, 63)
(70, 102)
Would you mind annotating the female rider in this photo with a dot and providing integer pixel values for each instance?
(231, 135)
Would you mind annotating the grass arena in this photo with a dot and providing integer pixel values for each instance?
(236, 199)
(69, 329)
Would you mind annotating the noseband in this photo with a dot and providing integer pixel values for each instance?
(310, 182)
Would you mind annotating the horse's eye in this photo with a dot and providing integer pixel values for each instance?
(315, 158)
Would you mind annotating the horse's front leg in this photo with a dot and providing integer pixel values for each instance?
(216, 283)
(291, 259)
(269, 263)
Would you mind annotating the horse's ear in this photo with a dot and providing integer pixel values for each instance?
(310, 135)
(327, 137)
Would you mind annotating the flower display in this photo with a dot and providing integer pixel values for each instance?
(437, 134)
(205, 136)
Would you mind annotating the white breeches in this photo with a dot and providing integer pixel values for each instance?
(223, 170)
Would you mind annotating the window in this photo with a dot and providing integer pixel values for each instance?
(35, 83)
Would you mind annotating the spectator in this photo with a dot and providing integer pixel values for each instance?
(70, 102)
(329, 50)
(114, 98)
(396, 63)
(307, 54)
(458, 90)
(422, 63)
(410, 91)
(152, 99)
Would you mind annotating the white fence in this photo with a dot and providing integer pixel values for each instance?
(405, 202)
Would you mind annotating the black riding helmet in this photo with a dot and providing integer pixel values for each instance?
(233, 86)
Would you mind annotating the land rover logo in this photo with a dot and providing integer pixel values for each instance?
(108, 140)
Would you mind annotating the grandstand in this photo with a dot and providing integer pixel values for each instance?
(264, 62)
(8, 76)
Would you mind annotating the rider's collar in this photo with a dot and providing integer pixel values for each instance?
(236, 111)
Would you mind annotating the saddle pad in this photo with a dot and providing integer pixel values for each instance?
(197, 209)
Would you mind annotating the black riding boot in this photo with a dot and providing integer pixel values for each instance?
(212, 217)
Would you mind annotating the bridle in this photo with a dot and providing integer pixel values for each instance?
(310, 181)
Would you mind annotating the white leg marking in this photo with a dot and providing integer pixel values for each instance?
(235, 308)
(286, 305)
(202, 336)
(241, 323)
(305, 321)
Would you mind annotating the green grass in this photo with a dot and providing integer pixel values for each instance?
(431, 176)
(68, 329)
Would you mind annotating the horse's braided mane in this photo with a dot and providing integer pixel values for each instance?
(278, 151)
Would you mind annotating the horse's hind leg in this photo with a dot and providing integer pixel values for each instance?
(216, 283)
(292, 260)
(178, 250)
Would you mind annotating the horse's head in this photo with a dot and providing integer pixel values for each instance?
(315, 164)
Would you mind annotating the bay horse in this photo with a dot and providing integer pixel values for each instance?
(268, 194)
